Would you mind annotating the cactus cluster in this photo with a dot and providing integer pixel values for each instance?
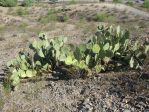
(20, 67)
(109, 48)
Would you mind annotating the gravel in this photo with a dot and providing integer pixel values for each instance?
(110, 92)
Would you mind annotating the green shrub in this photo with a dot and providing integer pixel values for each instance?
(130, 2)
(23, 25)
(117, 1)
(21, 11)
(1, 103)
(50, 16)
(2, 27)
(101, 17)
(63, 18)
(66, 17)
(101, 0)
(111, 19)
(146, 4)
(71, 2)
(46, 19)
(108, 49)
(53, 1)
(27, 3)
(8, 3)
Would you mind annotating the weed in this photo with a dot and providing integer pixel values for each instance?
(130, 2)
(21, 11)
(117, 1)
(53, 1)
(8, 3)
(146, 4)
(7, 85)
(23, 25)
(71, 2)
(51, 16)
(27, 3)
(101, 0)
(63, 18)
(81, 23)
(1, 103)
(101, 17)
(46, 19)
(2, 28)
(111, 19)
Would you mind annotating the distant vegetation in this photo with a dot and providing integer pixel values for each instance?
(8, 3)
(130, 2)
(116, 1)
(146, 4)
(27, 3)
(102, 16)
(13, 3)
(72, 2)
(21, 11)
(53, 1)
(52, 15)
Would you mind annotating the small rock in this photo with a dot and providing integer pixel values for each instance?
(127, 110)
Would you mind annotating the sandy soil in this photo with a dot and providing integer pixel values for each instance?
(106, 92)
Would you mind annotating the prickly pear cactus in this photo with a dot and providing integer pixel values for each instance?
(109, 48)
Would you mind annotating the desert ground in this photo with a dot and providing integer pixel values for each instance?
(122, 91)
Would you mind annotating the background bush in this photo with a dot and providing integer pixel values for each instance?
(101, 17)
(146, 4)
(53, 1)
(51, 16)
(116, 1)
(8, 3)
(21, 11)
(27, 3)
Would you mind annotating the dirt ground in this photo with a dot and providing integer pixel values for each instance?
(125, 91)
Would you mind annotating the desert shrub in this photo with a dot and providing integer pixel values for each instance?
(110, 48)
(2, 27)
(50, 16)
(53, 1)
(116, 1)
(1, 103)
(51, 11)
(27, 3)
(23, 25)
(63, 18)
(71, 2)
(101, 0)
(146, 4)
(47, 18)
(100, 17)
(130, 2)
(111, 19)
(38, 1)
(21, 11)
(8, 3)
